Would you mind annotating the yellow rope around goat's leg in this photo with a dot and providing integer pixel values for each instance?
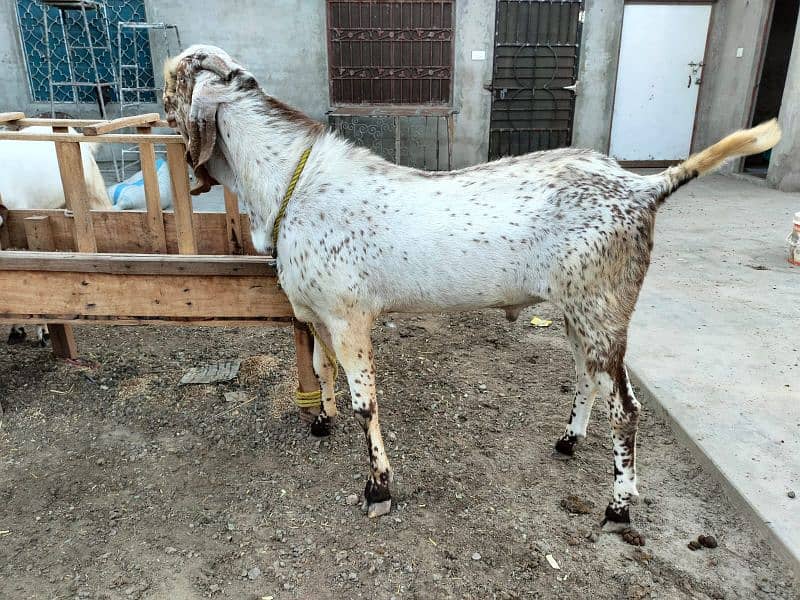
(314, 399)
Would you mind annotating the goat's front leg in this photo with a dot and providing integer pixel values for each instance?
(353, 348)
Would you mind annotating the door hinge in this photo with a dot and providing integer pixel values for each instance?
(581, 16)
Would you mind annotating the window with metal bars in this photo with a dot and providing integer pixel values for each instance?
(70, 58)
(384, 52)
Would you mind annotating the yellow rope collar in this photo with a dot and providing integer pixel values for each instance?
(298, 170)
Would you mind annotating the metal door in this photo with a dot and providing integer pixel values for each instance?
(658, 79)
(534, 78)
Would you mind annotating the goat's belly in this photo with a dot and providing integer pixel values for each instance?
(451, 295)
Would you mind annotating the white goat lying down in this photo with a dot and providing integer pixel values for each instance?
(29, 178)
(361, 237)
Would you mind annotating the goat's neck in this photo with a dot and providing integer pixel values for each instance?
(262, 148)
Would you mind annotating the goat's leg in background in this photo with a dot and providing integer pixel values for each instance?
(325, 372)
(42, 335)
(353, 347)
(585, 393)
(17, 334)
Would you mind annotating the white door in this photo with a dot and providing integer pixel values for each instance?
(657, 80)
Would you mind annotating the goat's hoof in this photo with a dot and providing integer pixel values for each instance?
(379, 509)
(42, 343)
(618, 520)
(321, 426)
(17, 336)
(565, 447)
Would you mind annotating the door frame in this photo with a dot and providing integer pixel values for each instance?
(755, 81)
(660, 163)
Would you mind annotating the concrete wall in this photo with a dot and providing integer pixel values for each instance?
(597, 74)
(474, 31)
(726, 93)
(784, 167)
(283, 42)
(14, 94)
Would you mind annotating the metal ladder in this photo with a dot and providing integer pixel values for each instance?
(134, 95)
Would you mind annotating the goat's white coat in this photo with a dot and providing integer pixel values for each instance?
(29, 175)
(362, 236)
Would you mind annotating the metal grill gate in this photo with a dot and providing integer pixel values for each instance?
(535, 69)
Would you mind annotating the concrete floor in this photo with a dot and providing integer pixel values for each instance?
(715, 341)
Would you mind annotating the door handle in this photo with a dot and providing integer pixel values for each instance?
(572, 88)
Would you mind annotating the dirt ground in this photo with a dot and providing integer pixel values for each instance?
(116, 482)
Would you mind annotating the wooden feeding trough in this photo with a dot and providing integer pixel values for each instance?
(82, 266)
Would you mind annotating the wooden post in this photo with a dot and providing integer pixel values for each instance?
(70, 165)
(154, 219)
(233, 223)
(5, 240)
(40, 237)
(304, 352)
(181, 200)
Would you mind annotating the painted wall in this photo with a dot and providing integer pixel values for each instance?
(597, 74)
(284, 43)
(474, 31)
(14, 93)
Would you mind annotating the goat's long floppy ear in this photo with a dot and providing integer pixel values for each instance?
(222, 66)
(202, 123)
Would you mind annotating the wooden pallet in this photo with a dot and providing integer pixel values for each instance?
(81, 266)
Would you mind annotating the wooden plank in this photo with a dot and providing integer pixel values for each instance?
(40, 237)
(109, 296)
(11, 116)
(16, 319)
(181, 200)
(304, 348)
(39, 233)
(62, 339)
(101, 127)
(233, 223)
(115, 138)
(154, 219)
(139, 264)
(76, 123)
(76, 196)
(127, 231)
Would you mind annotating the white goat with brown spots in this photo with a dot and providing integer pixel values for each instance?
(362, 237)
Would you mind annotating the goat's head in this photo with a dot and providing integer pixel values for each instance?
(196, 82)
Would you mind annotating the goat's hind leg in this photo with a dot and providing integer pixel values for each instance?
(585, 392)
(623, 416)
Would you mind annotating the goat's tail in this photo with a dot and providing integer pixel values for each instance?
(741, 143)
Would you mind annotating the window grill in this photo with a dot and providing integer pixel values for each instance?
(390, 51)
(71, 61)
